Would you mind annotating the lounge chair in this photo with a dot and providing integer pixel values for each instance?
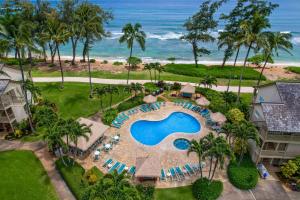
(189, 169)
(173, 174)
(131, 171)
(114, 124)
(107, 162)
(114, 167)
(121, 168)
(163, 175)
(179, 172)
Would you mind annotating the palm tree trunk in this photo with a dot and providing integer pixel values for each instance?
(60, 66)
(236, 56)
(154, 75)
(200, 167)
(130, 55)
(150, 75)
(101, 103)
(158, 75)
(25, 91)
(74, 45)
(90, 75)
(61, 156)
(213, 174)
(241, 158)
(228, 84)
(242, 72)
(44, 53)
(210, 166)
(262, 70)
(224, 62)
(111, 94)
(195, 54)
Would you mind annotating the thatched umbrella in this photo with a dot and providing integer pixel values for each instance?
(150, 99)
(218, 117)
(202, 101)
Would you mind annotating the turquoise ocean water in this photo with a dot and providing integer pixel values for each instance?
(162, 20)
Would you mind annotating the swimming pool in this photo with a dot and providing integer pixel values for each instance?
(182, 143)
(153, 132)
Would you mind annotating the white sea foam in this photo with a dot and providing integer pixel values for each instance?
(296, 40)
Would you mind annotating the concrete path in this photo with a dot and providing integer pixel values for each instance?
(47, 160)
(122, 82)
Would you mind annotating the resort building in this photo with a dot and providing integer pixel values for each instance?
(187, 91)
(12, 102)
(276, 113)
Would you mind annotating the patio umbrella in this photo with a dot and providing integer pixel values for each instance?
(218, 117)
(150, 99)
(202, 101)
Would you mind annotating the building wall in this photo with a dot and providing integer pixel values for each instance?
(19, 113)
(268, 94)
(257, 113)
(293, 148)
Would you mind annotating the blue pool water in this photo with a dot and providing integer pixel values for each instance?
(182, 144)
(153, 132)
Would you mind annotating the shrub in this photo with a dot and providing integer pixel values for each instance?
(131, 103)
(51, 65)
(18, 133)
(67, 61)
(235, 115)
(24, 126)
(244, 176)
(150, 87)
(203, 189)
(92, 60)
(161, 84)
(176, 86)
(92, 175)
(44, 116)
(294, 69)
(229, 97)
(104, 62)
(259, 59)
(109, 116)
(134, 62)
(146, 192)
(289, 169)
(117, 63)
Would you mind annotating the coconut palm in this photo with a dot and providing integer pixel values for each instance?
(208, 81)
(199, 149)
(208, 142)
(243, 132)
(226, 39)
(149, 67)
(34, 91)
(159, 69)
(133, 33)
(100, 92)
(228, 130)
(136, 87)
(273, 43)
(111, 89)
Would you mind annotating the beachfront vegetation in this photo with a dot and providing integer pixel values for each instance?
(294, 69)
(243, 176)
(131, 34)
(22, 176)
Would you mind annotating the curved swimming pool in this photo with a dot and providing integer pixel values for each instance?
(153, 132)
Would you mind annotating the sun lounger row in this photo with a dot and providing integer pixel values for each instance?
(151, 106)
(119, 120)
(178, 173)
(119, 167)
(132, 111)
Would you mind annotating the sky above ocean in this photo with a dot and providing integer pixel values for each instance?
(162, 20)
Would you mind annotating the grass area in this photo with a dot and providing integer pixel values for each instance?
(179, 193)
(140, 75)
(217, 71)
(294, 69)
(244, 176)
(22, 176)
(73, 100)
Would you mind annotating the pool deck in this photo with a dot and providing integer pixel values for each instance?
(128, 149)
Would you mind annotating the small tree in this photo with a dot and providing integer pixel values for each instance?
(259, 59)
(289, 169)
(235, 115)
(208, 81)
(171, 59)
(134, 62)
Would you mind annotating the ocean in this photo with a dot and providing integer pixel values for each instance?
(162, 20)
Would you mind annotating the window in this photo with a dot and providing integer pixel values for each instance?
(282, 147)
(269, 146)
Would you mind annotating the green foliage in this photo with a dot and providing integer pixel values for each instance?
(259, 59)
(134, 62)
(289, 169)
(244, 176)
(174, 193)
(44, 116)
(203, 189)
(72, 175)
(216, 71)
(117, 63)
(294, 69)
(131, 103)
(92, 175)
(235, 115)
(14, 61)
(150, 87)
(104, 62)
(229, 97)
(92, 60)
(146, 192)
(109, 116)
(176, 86)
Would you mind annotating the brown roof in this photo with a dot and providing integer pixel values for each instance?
(148, 167)
(97, 131)
(188, 88)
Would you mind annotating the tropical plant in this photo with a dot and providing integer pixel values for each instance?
(226, 38)
(136, 87)
(149, 67)
(34, 91)
(289, 169)
(243, 132)
(134, 62)
(259, 59)
(235, 116)
(159, 68)
(100, 92)
(198, 148)
(228, 129)
(133, 33)
(111, 89)
(208, 81)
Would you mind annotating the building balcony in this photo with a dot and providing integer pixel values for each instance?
(283, 138)
(8, 101)
(4, 119)
(278, 154)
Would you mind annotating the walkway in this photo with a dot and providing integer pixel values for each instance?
(123, 82)
(47, 161)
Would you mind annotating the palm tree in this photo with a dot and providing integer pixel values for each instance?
(149, 67)
(77, 130)
(199, 149)
(208, 81)
(159, 69)
(228, 130)
(272, 44)
(111, 89)
(220, 150)
(17, 34)
(100, 92)
(136, 87)
(34, 91)
(226, 39)
(243, 132)
(130, 34)
(208, 141)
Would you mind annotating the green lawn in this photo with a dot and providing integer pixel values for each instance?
(294, 69)
(73, 100)
(141, 75)
(22, 176)
(179, 193)
(217, 71)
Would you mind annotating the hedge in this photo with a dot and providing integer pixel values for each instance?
(217, 71)
(294, 69)
(131, 103)
(203, 189)
(244, 176)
